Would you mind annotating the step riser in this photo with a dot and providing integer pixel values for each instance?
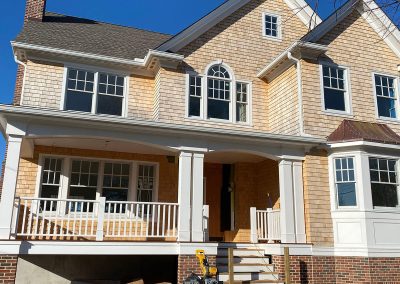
(249, 277)
(243, 253)
(249, 260)
(255, 269)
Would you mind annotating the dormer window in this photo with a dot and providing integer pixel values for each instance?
(95, 92)
(272, 26)
(218, 96)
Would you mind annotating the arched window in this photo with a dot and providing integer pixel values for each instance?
(217, 95)
(219, 87)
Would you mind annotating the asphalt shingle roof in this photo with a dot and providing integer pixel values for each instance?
(82, 35)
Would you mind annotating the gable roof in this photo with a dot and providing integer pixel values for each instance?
(371, 12)
(88, 36)
(300, 8)
(350, 130)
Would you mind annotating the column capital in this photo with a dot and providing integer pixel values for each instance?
(192, 149)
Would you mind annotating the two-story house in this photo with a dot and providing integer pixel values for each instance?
(258, 127)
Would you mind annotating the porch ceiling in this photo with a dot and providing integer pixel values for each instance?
(101, 145)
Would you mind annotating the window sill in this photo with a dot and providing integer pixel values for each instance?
(386, 210)
(277, 39)
(93, 114)
(388, 120)
(218, 121)
(338, 113)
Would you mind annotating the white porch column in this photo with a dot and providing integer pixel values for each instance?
(197, 198)
(184, 189)
(298, 190)
(288, 231)
(9, 185)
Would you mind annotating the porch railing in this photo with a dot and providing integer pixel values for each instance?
(47, 218)
(265, 225)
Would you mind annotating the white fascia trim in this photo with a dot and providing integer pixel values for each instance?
(130, 122)
(284, 55)
(300, 8)
(138, 62)
(382, 25)
(306, 14)
(362, 143)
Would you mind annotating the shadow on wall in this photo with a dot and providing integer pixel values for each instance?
(96, 269)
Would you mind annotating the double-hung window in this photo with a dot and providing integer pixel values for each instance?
(386, 96)
(51, 182)
(384, 182)
(345, 182)
(95, 92)
(271, 26)
(335, 89)
(217, 96)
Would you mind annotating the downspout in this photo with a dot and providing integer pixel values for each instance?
(23, 79)
(299, 92)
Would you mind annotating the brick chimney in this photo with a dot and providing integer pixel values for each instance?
(34, 10)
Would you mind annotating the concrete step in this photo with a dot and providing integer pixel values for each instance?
(247, 267)
(249, 276)
(221, 260)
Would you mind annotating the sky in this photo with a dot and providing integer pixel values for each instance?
(163, 16)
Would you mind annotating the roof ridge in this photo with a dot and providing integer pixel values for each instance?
(105, 23)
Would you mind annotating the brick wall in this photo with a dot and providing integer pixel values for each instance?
(339, 270)
(188, 264)
(8, 268)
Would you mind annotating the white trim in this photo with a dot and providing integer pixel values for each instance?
(348, 98)
(349, 144)
(397, 98)
(300, 8)
(278, 23)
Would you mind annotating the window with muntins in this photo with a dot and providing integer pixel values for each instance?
(345, 182)
(225, 99)
(384, 182)
(335, 89)
(94, 92)
(51, 182)
(271, 26)
(145, 187)
(386, 96)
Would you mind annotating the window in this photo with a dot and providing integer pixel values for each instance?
(94, 92)
(51, 181)
(116, 184)
(345, 182)
(145, 187)
(225, 98)
(271, 24)
(384, 182)
(335, 91)
(195, 96)
(386, 96)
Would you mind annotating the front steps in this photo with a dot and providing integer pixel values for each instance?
(250, 266)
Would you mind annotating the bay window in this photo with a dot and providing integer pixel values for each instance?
(384, 182)
(217, 96)
(345, 181)
(95, 92)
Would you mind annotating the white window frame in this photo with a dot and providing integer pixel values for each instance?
(279, 26)
(397, 93)
(348, 98)
(334, 180)
(233, 96)
(384, 157)
(66, 174)
(96, 71)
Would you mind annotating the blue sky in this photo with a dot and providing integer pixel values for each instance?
(163, 16)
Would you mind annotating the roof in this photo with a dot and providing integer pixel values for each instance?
(371, 12)
(82, 35)
(350, 130)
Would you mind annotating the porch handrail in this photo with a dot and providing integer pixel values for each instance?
(265, 225)
(45, 218)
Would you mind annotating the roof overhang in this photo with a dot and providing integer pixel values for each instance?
(299, 7)
(298, 49)
(146, 65)
(371, 12)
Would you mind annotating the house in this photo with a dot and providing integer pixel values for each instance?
(258, 127)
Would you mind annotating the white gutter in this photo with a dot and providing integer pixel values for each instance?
(137, 62)
(299, 92)
(23, 80)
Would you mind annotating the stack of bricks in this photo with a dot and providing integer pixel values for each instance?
(188, 264)
(8, 268)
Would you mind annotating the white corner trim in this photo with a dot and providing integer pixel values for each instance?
(306, 15)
